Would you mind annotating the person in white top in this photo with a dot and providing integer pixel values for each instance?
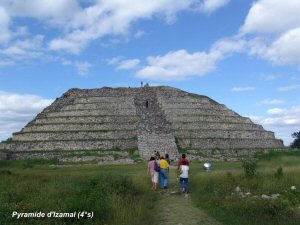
(184, 177)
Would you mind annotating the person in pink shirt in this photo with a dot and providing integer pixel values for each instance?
(151, 171)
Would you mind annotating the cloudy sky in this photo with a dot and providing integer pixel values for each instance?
(244, 54)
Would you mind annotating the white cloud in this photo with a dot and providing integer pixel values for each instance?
(271, 102)
(209, 6)
(25, 49)
(180, 64)
(66, 62)
(283, 123)
(272, 16)
(56, 12)
(113, 17)
(79, 24)
(277, 111)
(289, 88)
(243, 89)
(4, 26)
(139, 34)
(22, 103)
(6, 63)
(18, 109)
(276, 28)
(114, 61)
(83, 67)
(285, 49)
(128, 64)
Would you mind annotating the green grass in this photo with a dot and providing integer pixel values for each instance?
(215, 191)
(114, 196)
(121, 194)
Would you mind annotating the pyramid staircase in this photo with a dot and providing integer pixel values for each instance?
(154, 131)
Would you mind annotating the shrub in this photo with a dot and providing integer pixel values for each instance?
(249, 165)
(279, 173)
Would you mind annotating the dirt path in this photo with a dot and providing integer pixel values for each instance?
(174, 208)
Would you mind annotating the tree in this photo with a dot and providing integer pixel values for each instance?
(296, 142)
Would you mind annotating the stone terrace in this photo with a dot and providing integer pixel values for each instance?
(110, 124)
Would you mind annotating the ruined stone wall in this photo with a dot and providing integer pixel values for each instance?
(119, 120)
(202, 126)
(80, 120)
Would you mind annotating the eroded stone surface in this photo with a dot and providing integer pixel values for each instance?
(142, 120)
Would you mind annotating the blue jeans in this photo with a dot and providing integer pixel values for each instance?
(163, 178)
(184, 182)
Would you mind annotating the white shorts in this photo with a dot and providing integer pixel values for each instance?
(154, 177)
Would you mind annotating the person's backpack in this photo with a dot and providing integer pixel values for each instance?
(156, 166)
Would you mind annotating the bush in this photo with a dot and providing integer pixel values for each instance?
(249, 165)
(279, 173)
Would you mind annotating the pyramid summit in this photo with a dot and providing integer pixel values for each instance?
(121, 124)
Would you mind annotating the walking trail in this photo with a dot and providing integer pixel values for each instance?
(175, 208)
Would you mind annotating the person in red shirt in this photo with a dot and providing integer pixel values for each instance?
(183, 158)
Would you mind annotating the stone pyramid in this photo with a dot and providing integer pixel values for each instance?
(121, 124)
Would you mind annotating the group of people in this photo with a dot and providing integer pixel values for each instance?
(158, 169)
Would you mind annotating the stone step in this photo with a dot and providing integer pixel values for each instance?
(91, 112)
(99, 106)
(154, 131)
(73, 135)
(215, 125)
(81, 126)
(183, 100)
(234, 134)
(215, 143)
(71, 145)
(207, 118)
(88, 119)
(99, 99)
(199, 111)
(192, 106)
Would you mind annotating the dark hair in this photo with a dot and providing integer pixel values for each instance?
(184, 162)
(152, 158)
(167, 156)
(183, 156)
